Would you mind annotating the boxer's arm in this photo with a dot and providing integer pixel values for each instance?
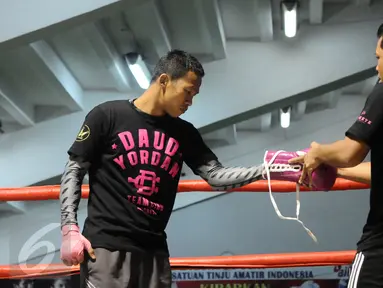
(70, 189)
(84, 151)
(360, 173)
(227, 178)
(205, 164)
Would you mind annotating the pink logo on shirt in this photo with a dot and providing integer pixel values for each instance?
(145, 182)
(362, 118)
(152, 151)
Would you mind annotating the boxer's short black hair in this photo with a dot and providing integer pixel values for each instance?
(379, 34)
(176, 64)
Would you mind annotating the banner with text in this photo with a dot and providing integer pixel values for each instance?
(305, 277)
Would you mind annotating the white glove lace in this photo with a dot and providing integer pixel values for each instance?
(271, 167)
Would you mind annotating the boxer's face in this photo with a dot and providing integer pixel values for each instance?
(379, 56)
(179, 94)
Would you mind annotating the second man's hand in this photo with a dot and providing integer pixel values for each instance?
(310, 161)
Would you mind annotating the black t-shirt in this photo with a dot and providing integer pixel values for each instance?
(136, 161)
(369, 129)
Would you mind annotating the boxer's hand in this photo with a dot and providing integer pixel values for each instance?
(73, 245)
(309, 161)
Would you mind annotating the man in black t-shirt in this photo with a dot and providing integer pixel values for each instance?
(363, 136)
(133, 152)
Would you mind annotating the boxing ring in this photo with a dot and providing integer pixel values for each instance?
(199, 267)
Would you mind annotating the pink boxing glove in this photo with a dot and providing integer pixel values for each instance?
(323, 178)
(73, 245)
(277, 167)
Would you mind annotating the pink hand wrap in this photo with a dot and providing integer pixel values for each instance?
(73, 245)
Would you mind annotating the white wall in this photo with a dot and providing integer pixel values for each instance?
(243, 223)
(257, 74)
